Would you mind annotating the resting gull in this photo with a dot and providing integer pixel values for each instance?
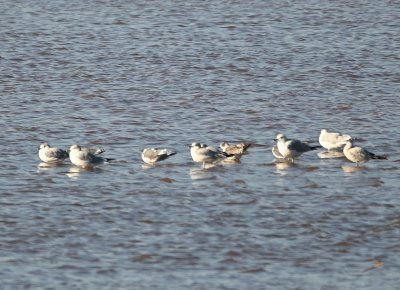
(85, 158)
(292, 148)
(234, 149)
(51, 154)
(153, 155)
(332, 140)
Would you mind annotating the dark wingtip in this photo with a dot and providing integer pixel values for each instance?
(381, 157)
(247, 145)
(315, 147)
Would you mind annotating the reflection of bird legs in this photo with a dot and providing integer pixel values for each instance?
(289, 159)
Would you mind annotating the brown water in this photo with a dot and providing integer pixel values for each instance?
(126, 75)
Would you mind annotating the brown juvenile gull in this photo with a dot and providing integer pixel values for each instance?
(234, 149)
(358, 154)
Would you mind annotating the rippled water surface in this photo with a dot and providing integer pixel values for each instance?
(126, 75)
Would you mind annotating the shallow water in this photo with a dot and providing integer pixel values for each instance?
(125, 76)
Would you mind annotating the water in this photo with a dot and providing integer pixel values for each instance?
(125, 76)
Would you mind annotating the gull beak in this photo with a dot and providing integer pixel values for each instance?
(275, 140)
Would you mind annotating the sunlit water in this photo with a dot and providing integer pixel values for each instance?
(126, 75)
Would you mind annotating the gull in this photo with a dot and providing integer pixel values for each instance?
(51, 154)
(234, 149)
(358, 154)
(84, 158)
(331, 140)
(153, 155)
(205, 154)
(292, 148)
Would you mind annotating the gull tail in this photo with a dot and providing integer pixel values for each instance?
(170, 152)
(99, 151)
(246, 146)
(108, 159)
(314, 147)
(382, 157)
(65, 154)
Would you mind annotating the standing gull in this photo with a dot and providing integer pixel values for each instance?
(332, 140)
(205, 154)
(153, 155)
(358, 154)
(292, 148)
(85, 158)
(51, 154)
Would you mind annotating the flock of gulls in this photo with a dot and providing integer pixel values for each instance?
(285, 150)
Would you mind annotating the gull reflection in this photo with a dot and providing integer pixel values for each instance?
(352, 169)
(229, 161)
(202, 173)
(146, 166)
(75, 171)
(43, 166)
(331, 154)
(283, 164)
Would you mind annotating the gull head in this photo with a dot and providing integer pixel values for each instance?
(280, 137)
(223, 145)
(75, 148)
(43, 145)
(348, 139)
(195, 144)
(324, 131)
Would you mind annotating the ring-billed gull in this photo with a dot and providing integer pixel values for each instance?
(205, 154)
(332, 140)
(292, 148)
(153, 155)
(85, 158)
(234, 149)
(51, 154)
(358, 154)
